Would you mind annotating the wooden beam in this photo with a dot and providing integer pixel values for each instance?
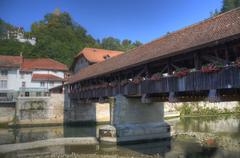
(213, 59)
(170, 69)
(197, 61)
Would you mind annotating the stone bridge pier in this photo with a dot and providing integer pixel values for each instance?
(132, 121)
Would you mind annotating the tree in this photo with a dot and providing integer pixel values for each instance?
(137, 43)
(4, 28)
(226, 6)
(125, 45)
(111, 43)
(230, 4)
(58, 37)
(13, 47)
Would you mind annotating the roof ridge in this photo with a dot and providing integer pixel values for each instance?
(102, 49)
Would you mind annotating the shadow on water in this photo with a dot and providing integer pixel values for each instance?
(75, 130)
(160, 147)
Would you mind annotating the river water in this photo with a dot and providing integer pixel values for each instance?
(194, 137)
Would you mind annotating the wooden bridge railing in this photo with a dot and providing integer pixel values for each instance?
(227, 78)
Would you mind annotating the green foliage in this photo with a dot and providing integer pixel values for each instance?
(237, 108)
(226, 6)
(230, 4)
(194, 109)
(186, 109)
(4, 28)
(112, 43)
(59, 38)
(13, 47)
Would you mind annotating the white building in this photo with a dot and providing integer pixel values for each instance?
(25, 77)
(18, 34)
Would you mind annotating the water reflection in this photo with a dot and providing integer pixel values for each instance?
(225, 129)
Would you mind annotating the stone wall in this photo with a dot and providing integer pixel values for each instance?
(87, 112)
(40, 110)
(7, 114)
(132, 111)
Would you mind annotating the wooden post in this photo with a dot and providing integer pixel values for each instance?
(197, 62)
(170, 69)
(226, 55)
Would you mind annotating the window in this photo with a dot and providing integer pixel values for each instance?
(42, 84)
(3, 94)
(4, 73)
(22, 75)
(23, 84)
(106, 57)
(38, 94)
(26, 94)
(45, 94)
(51, 83)
(3, 84)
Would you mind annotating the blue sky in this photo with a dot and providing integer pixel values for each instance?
(143, 20)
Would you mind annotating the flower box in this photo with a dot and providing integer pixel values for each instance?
(181, 72)
(113, 84)
(156, 76)
(210, 68)
(237, 63)
(137, 80)
(124, 82)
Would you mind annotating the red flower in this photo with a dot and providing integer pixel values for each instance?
(210, 68)
(182, 72)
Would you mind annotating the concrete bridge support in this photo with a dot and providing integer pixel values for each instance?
(132, 120)
(85, 113)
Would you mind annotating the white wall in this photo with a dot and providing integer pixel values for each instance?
(13, 79)
(36, 84)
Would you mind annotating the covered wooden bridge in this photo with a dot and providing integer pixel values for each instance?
(199, 61)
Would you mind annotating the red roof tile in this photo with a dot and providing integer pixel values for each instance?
(42, 64)
(46, 77)
(10, 61)
(209, 31)
(94, 55)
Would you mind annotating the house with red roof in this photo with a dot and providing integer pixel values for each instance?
(89, 56)
(29, 77)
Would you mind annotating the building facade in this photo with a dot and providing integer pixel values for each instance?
(29, 77)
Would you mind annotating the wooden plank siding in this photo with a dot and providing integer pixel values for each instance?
(227, 78)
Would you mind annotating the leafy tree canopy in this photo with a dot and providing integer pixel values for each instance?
(226, 6)
(230, 4)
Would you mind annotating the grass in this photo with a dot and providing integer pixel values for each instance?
(194, 109)
(4, 125)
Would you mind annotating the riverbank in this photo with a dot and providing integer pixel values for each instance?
(73, 155)
(49, 142)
